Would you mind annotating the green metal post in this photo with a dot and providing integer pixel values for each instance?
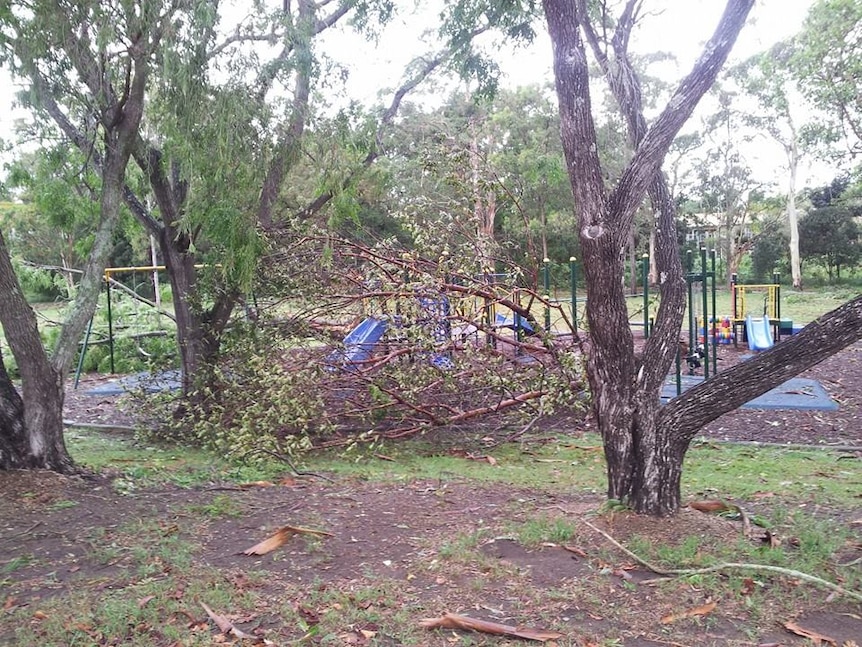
(714, 325)
(573, 272)
(692, 331)
(546, 275)
(776, 279)
(705, 312)
(645, 278)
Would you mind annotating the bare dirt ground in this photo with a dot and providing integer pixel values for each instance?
(391, 552)
(397, 538)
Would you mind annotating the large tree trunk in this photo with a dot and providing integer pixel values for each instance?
(38, 442)
(13, 434)
(644, 459)
(198, 331)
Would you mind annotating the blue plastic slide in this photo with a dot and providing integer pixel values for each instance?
(508, 321)
(759, 333)
(360, 342)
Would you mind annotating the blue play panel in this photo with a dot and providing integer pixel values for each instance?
(148, 382)
(795, 393)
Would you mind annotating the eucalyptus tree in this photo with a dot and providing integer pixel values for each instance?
(724, 180)
(827, 64)
(214, 113)
(226, 121)
(531, 170)
(47, 42)
(780, 113)
(644, 443)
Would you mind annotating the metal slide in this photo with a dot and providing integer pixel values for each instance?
(759, 333)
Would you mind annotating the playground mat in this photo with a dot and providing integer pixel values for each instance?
(796, 393)
(148, 382)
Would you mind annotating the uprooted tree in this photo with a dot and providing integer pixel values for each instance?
(644, 443)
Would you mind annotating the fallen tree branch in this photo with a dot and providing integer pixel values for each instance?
(465, 623)
(725, 566)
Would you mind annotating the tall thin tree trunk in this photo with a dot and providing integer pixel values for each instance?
(792, 216)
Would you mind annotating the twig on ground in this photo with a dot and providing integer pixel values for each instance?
(724, 566)
(23, 532)
(286, 459)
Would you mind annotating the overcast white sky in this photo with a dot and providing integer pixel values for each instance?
(676, 26)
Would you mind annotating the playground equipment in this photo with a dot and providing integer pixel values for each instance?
(572, 299)
(767, 298)
(358, 345)
(150, 329)
(758, 332)
(699, 337)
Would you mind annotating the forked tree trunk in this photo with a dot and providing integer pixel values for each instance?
(645, 443)
(644, 457)
(198, 329)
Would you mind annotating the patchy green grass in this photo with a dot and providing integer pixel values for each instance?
(148, 580)
(798, 477)
(140, 465)
(712, 470)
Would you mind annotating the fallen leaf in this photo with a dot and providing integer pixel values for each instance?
(144, 601)
(40, 615)
(224, 625)
(772, 539)
(9, 603)
(622, 574)
(280, 537)
(703, 610)
(748, 586)
(254, 484)
(813, 636)
(711, 506)
(482, 457)
(456, 621)
(574, 549)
